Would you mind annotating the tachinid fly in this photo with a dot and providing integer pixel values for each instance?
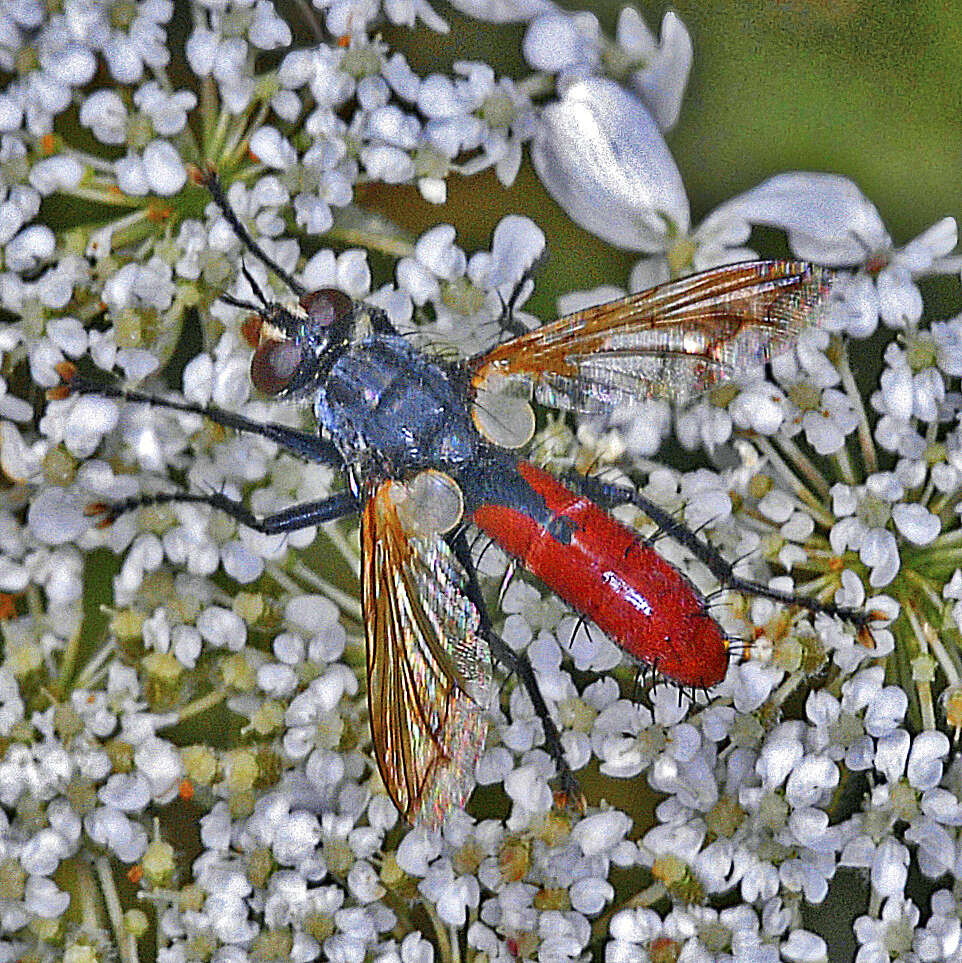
(429, 446)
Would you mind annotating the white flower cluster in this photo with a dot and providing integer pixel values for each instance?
(207, 735)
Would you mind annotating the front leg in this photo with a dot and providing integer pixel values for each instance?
(303, 515)
(310, 447)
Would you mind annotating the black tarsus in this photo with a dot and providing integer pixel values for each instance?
(610, 496)
(292, 519)
(211, 181)
(517, 664)
(582, 623)
(507, 321)
(304, 444)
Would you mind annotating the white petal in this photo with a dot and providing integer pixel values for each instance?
(516, 245)
(164, 167)
(934, 242)
(598, 833)
(273, 149)
(56, 516)
(804, 947)
(601, 156)
(502, 11)
(828, 219)
(896, 384)
(900, 301)
(42, 898)
(560, 40)
(924, 768)
(589, 895)
(661, 84)
(889, 868)
(916, 522)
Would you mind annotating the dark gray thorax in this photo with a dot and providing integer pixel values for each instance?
(387, 402)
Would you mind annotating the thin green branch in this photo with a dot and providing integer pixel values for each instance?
(869, 457)
(126, 942)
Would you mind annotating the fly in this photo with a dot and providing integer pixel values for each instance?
(430, 446)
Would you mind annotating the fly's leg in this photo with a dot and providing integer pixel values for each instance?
(211, 181)
(302, 515)
(507, 322)
(305, 445)
(611, 496)
(520, 665)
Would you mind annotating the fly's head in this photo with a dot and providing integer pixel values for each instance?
(294, 347)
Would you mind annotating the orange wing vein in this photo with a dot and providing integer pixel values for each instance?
(672, 341)
(428, 668)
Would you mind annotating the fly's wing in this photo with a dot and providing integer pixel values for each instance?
(672, 341)
(428, 668)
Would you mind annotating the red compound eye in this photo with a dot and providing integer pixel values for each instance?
(327, 306)
(274, 365)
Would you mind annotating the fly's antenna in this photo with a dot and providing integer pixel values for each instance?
(255, 287)
(239, 303)
(242, 302)
(211, 181)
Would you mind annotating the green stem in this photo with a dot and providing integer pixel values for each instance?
(869, 458)
(208, 111)
(105, 197)
(218, 136)
(90, 671)
(67, 663)
(785, 690)
(356, 237)
(922, 688)
(455, 944)
(844, 464)
(948, 538)
(198, 706)
(944, 658)
(943, 561)
(804, 464)
(91, 920)
(237, 148)
(792, 481)
(931, 638)
(90, 160)
(440, 932)
(126, 943)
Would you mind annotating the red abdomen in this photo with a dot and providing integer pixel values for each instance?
(610, 575)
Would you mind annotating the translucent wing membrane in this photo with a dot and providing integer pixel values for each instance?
(672, 341)
(429, 670)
